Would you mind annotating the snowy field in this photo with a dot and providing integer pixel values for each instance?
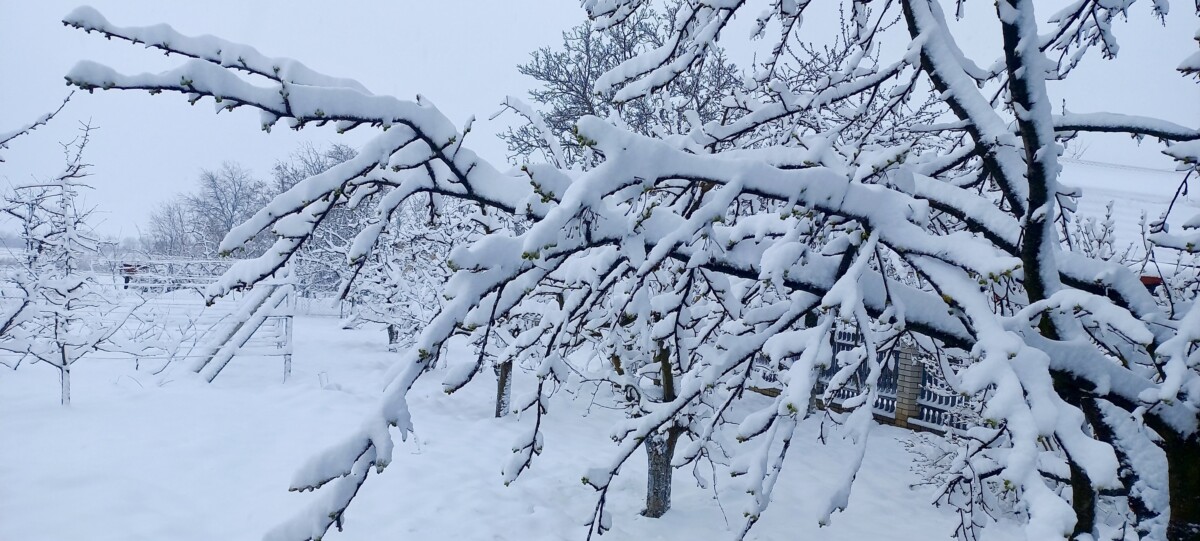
(143, 457)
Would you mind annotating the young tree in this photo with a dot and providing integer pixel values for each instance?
(1086, 388)
(398, 284)
(15, 314)
(65, 314)
(400, 281)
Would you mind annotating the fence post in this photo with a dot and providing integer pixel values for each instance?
(909, 373)
(289, 314)
(287, 356)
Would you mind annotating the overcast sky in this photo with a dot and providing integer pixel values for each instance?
(459, 53)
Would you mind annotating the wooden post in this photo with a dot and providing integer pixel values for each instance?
(909, 373)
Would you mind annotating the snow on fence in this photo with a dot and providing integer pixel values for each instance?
(324, 306)
(162, 276)
(253, 323)
(910, 395)
(169, 275)
(173, 323)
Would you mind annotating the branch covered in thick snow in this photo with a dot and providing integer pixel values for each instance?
(1117, 123)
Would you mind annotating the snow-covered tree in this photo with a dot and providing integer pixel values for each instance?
(321, 267)
(566, 91)
(819, 208)
(64, 313)
(400, 282)
(709, 92)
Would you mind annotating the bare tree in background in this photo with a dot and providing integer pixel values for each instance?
(227, 196)
(192, 225)
(321, 267)
(568, 75)
(172, 231)
(306, 161)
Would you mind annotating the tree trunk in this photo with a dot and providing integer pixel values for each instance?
(64, 374)
(1183, 475)
(503, 388)
(1083, 495)
(660, 448)
(393, 337)
(1083, 500)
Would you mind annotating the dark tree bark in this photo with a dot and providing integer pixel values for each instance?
(1083, 496)
(1143, 513)
(393, 337)
(660, 447)
(65, 381)
(1083, 499)
(503, 388)
(1183, 475)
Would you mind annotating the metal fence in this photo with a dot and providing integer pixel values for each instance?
(909, 393)
(170, 321)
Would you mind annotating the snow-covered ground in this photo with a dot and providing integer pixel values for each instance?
(140, 457)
